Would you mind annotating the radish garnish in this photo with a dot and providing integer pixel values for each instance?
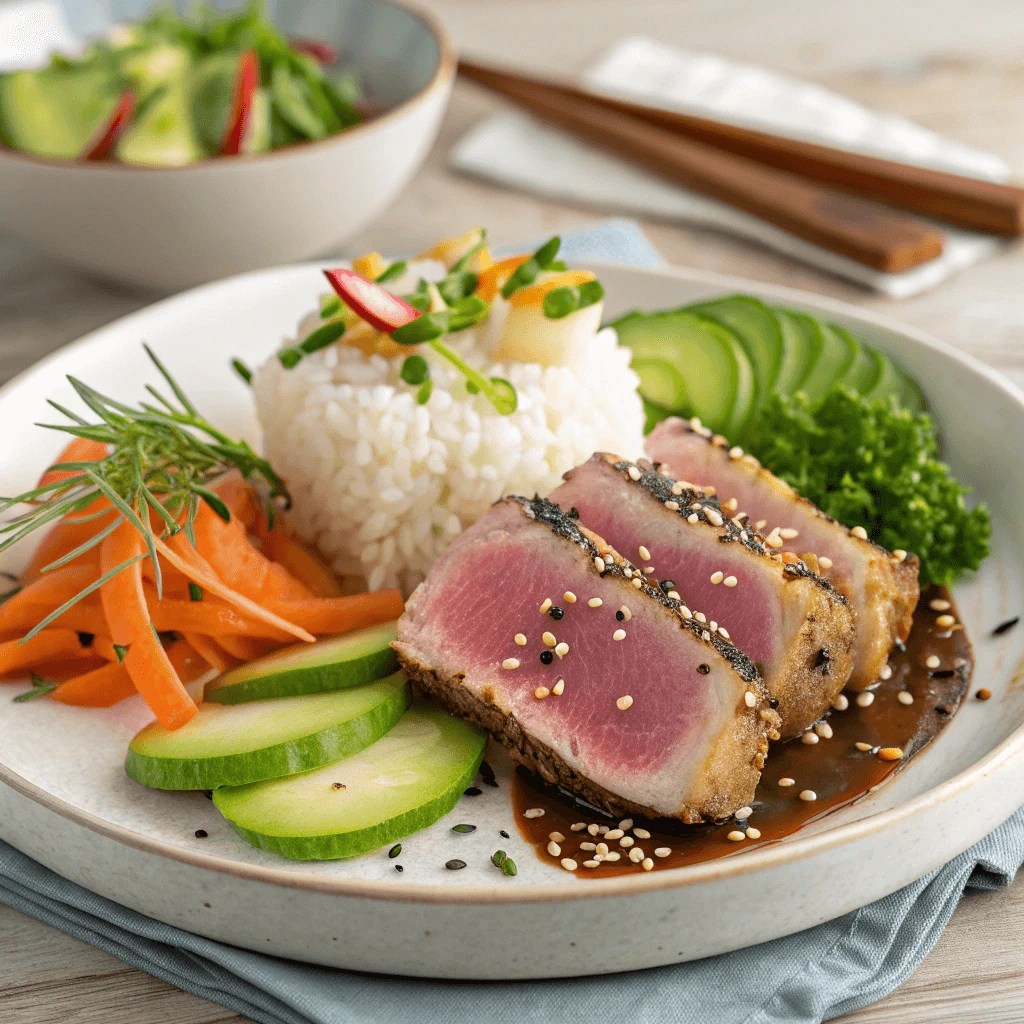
(247, 80)
(107, 136)
(376, 305)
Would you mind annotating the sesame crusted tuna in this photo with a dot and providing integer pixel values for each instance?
(792, 623)
(638, 706)
(882, 586)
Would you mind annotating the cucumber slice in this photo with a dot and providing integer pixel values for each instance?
(714, 368)
(55, 113)
(757, 330)
(801, 345)
(661, 383)
(336, 664)
(838, 351)
(403, 783)
(232, 746)
(910, 396)
(862, 374)
(888, 382)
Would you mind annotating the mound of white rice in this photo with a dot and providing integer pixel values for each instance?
(382, 485)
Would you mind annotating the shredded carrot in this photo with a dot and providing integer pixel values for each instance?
(187, 661)
(68, 534)
(328, 615)
(124, 605)
(47, 645)
(246, 648)
(211, 652)
(298, 560)
(496, 274)
(79, 450)
(103, 687)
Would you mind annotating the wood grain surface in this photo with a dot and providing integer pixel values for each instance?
(954, 67)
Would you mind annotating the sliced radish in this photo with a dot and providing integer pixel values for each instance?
(247, 80)
(323, 52)
(105, 138)
(375, 304)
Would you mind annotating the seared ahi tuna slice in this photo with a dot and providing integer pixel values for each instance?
(591, 676)
(882, 586)
(793, 624)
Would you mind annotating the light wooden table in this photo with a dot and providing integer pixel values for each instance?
(954, 67)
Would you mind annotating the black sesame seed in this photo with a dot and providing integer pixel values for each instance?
(464, 829)
(574, 513)
(555, 612)
(667, 585)
(772, 702)
(503, 833)
(455, 865)
(619, 615)
(86, 639)
(201, 833)
(1004, 627)
(486, 771)
(945, 673)
(473, 791)
(703, 669)
(547, 657)
(338, 785)
(395, 850)
(399, 868)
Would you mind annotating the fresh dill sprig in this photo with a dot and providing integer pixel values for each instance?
(162, 461)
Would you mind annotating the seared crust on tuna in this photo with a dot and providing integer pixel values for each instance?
(655, 715)
(794, 625)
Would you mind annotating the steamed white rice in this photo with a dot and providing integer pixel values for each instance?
(382, 485)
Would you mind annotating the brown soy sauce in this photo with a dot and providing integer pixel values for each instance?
(833, 769)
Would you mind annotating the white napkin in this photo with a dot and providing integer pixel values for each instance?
(516, 150)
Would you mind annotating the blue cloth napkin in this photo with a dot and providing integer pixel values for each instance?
(812, 976)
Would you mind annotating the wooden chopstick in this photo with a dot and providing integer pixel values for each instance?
(865, 231)
(966, 202)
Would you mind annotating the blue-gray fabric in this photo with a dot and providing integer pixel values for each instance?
(814, 975)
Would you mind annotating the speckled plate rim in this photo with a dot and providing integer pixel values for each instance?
(792, 850)
(444, 74)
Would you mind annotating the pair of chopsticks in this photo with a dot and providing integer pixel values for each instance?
(844, 202)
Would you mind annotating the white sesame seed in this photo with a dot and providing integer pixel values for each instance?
(824, 730)
(743, 812)
(905, 697)
(548, 638)
(636, 855)
(619, 634)
(556, 837)
(641, 833)
(578, 826)
(520, 639)
(569, 597)
(736, 836)
(736, 452)
(510, 663)
(569, 864)
(647, 864)
(672, 506)
(645, 554)
(722, 631)
(674, 595)
(648, 569)
(624, 703)
(595, 602)
(786, 781)
(700, 617)
(695, 422)
(533, 812)
(678, 487)
(730, 581)
(750, 699)
(608, 559)
(841, 703)
(541, 692)
(860, 533)
(626, 841)
(634, 473)
(713, 517)
(773, 540)
(593, 829)
(886, 672)
(932, 661)
(808, 796)
(900, 555)
(663, 851)
(602, 829)
(589, 847)
(628, 573)
(685, 612)
(788, 533)
(599, 563)
(760, 524)
(732, 504)
(862, 746)
(810, 738)
(545, 605)
(717, 577)
(554, 849)
(626, 613)
(705, 636)
(613, 856)
(614, 833)
(866, 699)
(638, 583)
(559, 688)
(825, 562)
(939, 605)
(945, 621)
(562, 649)
(693, 518)
(602, 849)
(626, 823)
(753, 833)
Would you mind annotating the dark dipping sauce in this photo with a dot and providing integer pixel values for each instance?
(834, 769)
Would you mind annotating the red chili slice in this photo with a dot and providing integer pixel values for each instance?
(375, 304)
(247, 81)
(105, 138)
(323, 52)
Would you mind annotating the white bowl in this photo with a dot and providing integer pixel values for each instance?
(171, 228)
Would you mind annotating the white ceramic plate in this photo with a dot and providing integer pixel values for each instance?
(68, 804)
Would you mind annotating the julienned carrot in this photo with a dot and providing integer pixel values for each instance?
(246, 648)
(306, 568)
(328, 615)
(124, 605)
(48, 645)
(67, 535)
(185, 558)
(103, 687)
(85, 617)
(210, 651)
(187, 661)
(210, 616)
(80, 449)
